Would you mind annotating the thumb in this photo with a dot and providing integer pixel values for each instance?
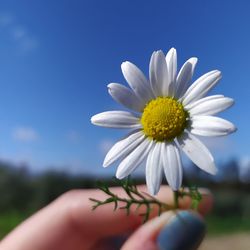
(171, 231)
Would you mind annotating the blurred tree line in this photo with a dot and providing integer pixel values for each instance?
(25, 192)
(22, 191)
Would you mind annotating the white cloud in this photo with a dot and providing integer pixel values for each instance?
(25, 41)
(19, 34)
(25, 134)
(28, 44)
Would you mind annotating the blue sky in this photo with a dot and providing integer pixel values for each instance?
(57, 57)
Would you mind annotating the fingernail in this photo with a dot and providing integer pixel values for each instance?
(184, 231)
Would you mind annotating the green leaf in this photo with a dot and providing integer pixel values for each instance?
(139, 199)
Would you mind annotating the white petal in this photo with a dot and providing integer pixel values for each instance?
(125, 96)
(154, 169)
(172, 165)
(211, 126)
(116, 119)
(193, 104)
(158, 72)
(123, 147)
(137, 81)
(134, 159)
(210, 106)
(197, 152)
(171, 60)
(201, 86)
(184, 76)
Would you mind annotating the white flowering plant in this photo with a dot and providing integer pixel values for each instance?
(167, 114)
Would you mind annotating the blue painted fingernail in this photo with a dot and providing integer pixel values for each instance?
(185, 231)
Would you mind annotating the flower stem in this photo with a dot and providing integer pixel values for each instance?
(176, 196)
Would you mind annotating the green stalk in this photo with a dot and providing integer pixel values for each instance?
(176, 197)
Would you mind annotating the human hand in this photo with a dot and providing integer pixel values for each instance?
(69, 223)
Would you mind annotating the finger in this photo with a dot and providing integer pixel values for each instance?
(72, 213)
(166, 195)
(182, 230)
(104, 221)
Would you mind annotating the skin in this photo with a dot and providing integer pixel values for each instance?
(69, 223)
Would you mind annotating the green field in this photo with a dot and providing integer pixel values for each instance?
(8, 221)
(218, 225)
(215, 225)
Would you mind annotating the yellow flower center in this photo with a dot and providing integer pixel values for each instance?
(164, 118)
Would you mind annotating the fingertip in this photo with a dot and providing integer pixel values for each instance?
(185, 230)
(144, 238)
(181, 229)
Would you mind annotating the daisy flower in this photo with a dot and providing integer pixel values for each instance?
(166, 115)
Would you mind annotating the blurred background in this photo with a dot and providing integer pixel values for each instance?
(56, 59)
